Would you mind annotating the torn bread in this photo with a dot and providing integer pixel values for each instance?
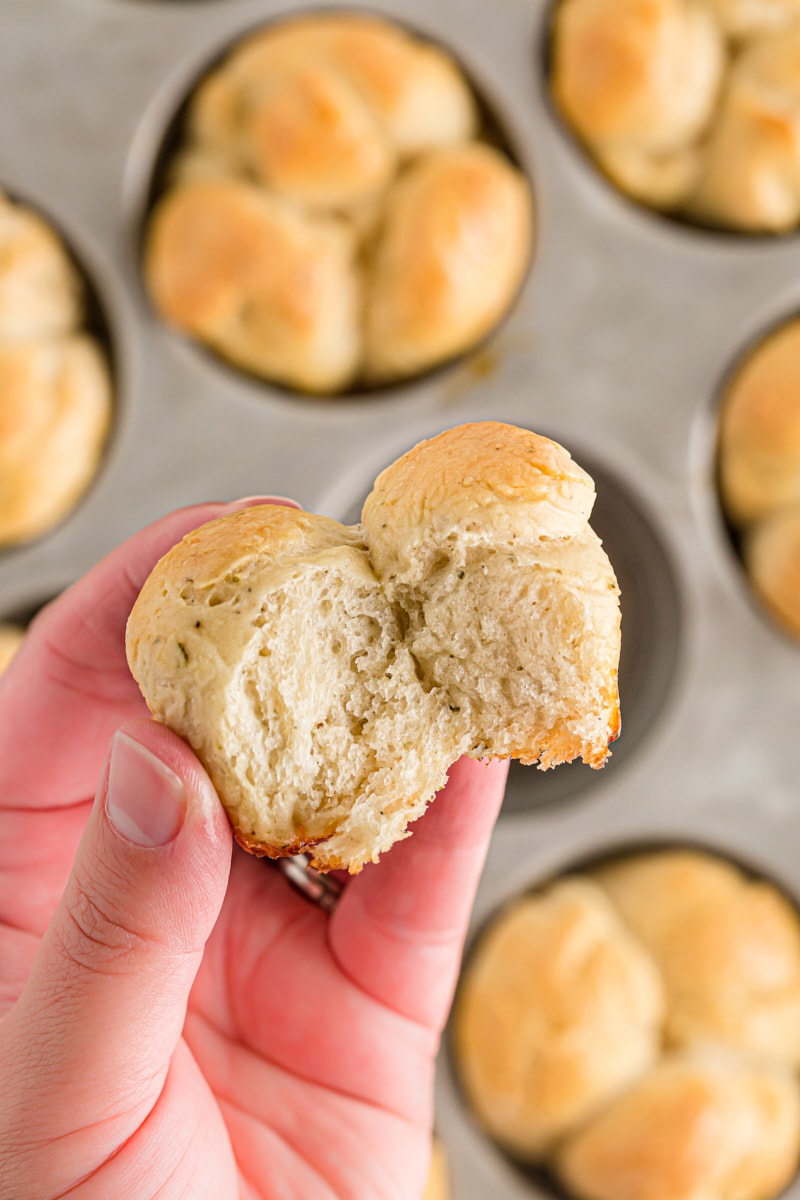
(328, 676)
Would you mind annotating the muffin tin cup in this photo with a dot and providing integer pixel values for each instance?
(107, 320)
(617, 346)
(527, 855)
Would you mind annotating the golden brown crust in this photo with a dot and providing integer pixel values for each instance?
(695, 1127)
(559, 746)
(751, 174)
(302, 845)
(490, 456)
(759, 446)
(453, 250)
(55, 412)
(330, 114)
(728, 948)
(687, 105)
(237, 543)
(268, 850)
(303, 130)
(415, 90)
(55, 390)
(205, 242)
(40, 293)
(475, 478)
(636, 72)
(559, 1010)
(387, 66)
(271, 289)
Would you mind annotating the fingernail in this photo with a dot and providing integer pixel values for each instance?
(252, 501)
(145, 800)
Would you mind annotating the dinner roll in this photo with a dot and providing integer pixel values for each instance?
(700, 1127)
(759, 441)
(438, 1184)
(272, 641)
(11, 638)
(488, 520)
(772, 557)
(559, 1010)
(415, 89)
(341, 129)
(494, 480)
(638, 80)
(751, 173)
(452, 253)
(728, 948)
(302, 129)
(40, 294)
(270, 289)
(415, 94)
(55, 408)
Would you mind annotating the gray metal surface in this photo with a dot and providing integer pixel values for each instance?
(617, 346)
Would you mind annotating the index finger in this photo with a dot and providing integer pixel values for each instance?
(399, 928)
(69, 686)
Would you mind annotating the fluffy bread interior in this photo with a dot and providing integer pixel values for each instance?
(349, 742)
(502, 631)
(328, 700)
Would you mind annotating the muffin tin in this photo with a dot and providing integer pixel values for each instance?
(617, 347)
(190, 137)
(579, 861)
(692, 128)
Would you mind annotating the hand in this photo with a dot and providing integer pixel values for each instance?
(176, 1021)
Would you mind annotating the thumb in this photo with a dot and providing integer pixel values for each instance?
(97, 1023)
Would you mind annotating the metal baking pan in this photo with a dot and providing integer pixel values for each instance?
(624, 329)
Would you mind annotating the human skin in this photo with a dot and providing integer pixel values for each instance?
(176, 1022)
